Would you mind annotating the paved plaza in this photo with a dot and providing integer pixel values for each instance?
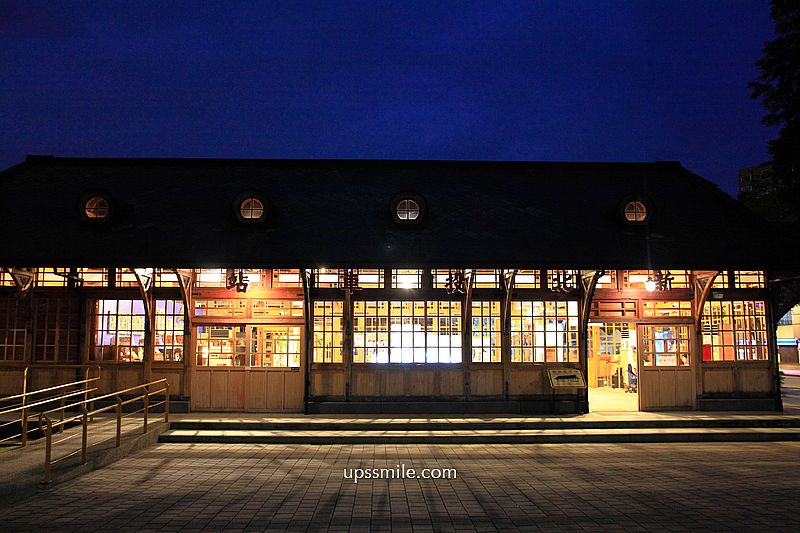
(575, 487)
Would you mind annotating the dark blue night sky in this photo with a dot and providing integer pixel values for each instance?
(561, 80)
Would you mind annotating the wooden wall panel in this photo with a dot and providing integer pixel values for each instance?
(486, 381)
(201, 390)
(11, 380)
(129, 376)
(275, 391)
(327, 382)
(755, 379)
(175, 377)
(392, 382)
(526, 380)
(451, 382)
(256, 393)
(418, 381)
(718, 379)
(364, 383)
(219, 389)
(236, 389)
(666, 388)
(293, 391)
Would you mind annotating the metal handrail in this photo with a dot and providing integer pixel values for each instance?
(26, 396)
(47, 425)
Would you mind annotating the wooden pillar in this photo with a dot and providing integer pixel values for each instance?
(507, 284)
(347, 342)
(772, 344)
(466, 334)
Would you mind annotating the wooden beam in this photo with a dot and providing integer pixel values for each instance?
(703, 281)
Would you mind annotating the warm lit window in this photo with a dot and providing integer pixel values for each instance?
(564, 280)
(96, 208)
(5, 278)
(722, 280)
(666, 308)
(251, 208)
(366, 278)
(734, 331)
(277, 308)
(528, 279)
(408, 210)
(613, 309)
(671, 279)
(169, 330)
(325, 278)
(608, 280)
(218, 277)
(328, 321)
(635, 211)
(406, 279)
(544, 331)
(249, 346)
(286, 277)
(748, 279)
(93, 277)
(407, 332)
(486, 338)
(485, 279)
(118, 330)
(165, 278)
(56, 330)
(52, 277)
(664, 345)
(218, 308)
(12, 330)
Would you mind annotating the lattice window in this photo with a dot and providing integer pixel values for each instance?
(748, 279)
(734, 330)
(277, 308)
(236, 308)
(118, 330)
(635, 279)
(664, 345)
(666, 308)
(544, 331)
(328, 325)
(407, 332)
(528, 279)
(286, 277)
(169, 330)
(56, 330)
(486, 338)
(613, 309)
(13, 334)
(406, 278)
(562, 279)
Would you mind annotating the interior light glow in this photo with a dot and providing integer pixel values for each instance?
(650, 285)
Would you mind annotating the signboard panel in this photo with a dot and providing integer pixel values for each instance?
(566, 378)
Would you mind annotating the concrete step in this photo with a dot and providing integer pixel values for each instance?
(476, 424)
(481, 436)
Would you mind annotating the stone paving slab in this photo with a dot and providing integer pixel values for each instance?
(617, 487)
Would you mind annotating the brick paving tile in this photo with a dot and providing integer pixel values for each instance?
(576, 487)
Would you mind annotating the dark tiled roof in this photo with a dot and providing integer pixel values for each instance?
(179, 212)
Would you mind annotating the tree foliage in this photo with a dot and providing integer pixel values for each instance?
(778, 88)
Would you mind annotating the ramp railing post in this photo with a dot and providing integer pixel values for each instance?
(119, 421)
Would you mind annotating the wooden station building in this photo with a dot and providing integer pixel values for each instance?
(388, 286)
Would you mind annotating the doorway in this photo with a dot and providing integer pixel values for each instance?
(612, 347)
(248, 367)
(666, 375)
